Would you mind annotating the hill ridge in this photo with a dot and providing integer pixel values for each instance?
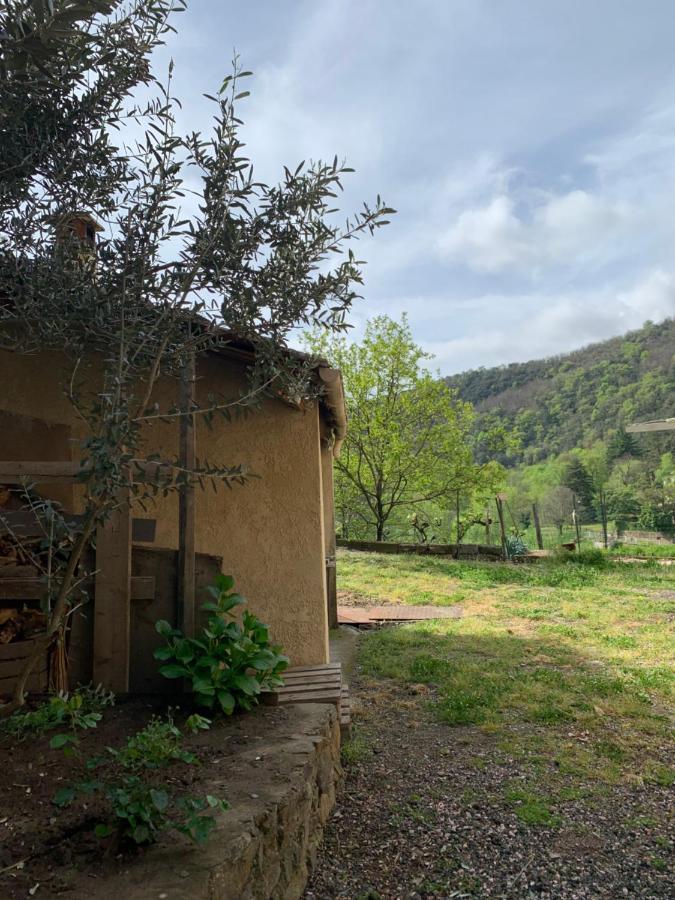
(573, 399)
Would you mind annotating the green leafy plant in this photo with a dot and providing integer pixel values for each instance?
(81, 709)
(140, 809)
(231, 662)
(156, 745)
(590, 557)
(195, 723)
(515, 547)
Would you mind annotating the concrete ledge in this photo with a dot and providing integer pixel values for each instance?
(282, 788)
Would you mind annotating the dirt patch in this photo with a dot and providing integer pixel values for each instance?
(252, 760)
(350, 598)
(662, 595)
(425, 813)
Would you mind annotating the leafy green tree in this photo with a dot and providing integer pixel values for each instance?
(408, 440)
(557, 506)
(577, 478)
(620, 445)
(599, 472)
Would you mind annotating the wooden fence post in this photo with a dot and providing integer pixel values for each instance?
(459, 533)
(537, 526)
(502, 529)
(575, 518)
(112, 603)
(186, 617)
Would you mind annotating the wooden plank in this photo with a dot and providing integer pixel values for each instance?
(69, 472)
(26, 571)
(310, 697)
(12, 472)
(12, 658)
(309, 684)
(300, 687)
(345, 712)
(302, 678)
(142, 587)
(312, 677)
(353, 615)
(396, 613)
(112, 605)
(186, 504)
(22, 588)
(24, 523)
(322, 667)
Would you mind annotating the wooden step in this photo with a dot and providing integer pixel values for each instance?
(345, 712)
(309, 684)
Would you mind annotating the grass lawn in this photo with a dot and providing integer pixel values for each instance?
(568, 666)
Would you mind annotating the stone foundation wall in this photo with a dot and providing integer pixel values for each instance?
(282, 788)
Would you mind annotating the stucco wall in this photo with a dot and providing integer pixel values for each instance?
(327, 484)
(270, 532)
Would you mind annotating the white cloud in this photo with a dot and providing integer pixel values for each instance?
(489, 238)
(561, 229)
(537, 325)
(535, 200)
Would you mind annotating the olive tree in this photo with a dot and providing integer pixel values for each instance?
(194, 250)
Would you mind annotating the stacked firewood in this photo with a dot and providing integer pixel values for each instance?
(17, 553)
(20, 624)
(17, 558)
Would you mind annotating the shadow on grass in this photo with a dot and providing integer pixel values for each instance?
(378, 574)
(493, 676)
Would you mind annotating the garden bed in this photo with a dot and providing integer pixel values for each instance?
(277, 768)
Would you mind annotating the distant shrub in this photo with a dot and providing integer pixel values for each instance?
(591, 557)
(515, 547)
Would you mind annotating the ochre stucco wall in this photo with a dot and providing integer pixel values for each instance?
(270, 531)
(328, 496)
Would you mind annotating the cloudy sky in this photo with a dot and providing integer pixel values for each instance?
(529, 148)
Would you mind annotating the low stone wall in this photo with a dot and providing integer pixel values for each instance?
(466, 551)
(282, 788)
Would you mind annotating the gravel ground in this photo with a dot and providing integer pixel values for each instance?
(423, 815)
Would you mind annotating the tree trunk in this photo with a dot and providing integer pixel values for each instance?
(502, 529)
(459, 533)
(575, 516)
(537, 526)
(603, 516)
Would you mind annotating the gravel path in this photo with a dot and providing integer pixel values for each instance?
(423, 815)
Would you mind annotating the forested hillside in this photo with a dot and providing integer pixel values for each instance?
(576, 399)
